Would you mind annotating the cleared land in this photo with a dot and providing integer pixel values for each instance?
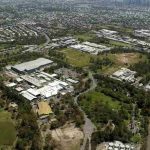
(7, 129)
(69, 137)
(81, 59)
(122, 60)
(77, 58)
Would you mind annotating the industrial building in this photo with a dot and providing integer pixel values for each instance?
(124, 74)
(117, 145)
(92, 48)
(31, 66)
(34, 84)
(41, 85)
(147, 87)
(142, 33)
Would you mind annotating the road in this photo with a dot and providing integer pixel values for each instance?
(88, 127)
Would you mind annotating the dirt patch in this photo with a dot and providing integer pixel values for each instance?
(69, 137)
(127, 58)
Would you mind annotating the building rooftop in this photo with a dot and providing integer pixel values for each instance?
(44, 108)
(31, 65)
(27, 95)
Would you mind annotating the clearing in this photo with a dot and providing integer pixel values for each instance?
(82, 59)
(122, 60)
(77, 58)
(69, 137)
(7, 129)
(93, 97)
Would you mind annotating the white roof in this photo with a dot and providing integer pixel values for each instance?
(127, 146)
(33, 92)
(11, 84)
(27, 66)
(147, 87)
(31, 80)
(46, 74)
(111, 144)
(19, 79)
(42, 81)
(72, 81)
(48, 91)
(27, 95)
(19, 89)
(53, 75)
(56, 85)
(63, 83)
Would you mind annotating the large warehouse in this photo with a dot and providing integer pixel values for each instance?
(31, 66)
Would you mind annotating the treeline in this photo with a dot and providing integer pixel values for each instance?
(99, 63)
(124, 92)
(112, 123)
(143, 69)
(66, 111)
(11, 59)
(27, 127)
(30, 40)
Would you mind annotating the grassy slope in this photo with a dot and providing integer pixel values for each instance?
(94, 97)
(7, 129)
(77, 58)
(85, 36)
(82, 59)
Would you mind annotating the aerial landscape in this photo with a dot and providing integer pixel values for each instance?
(75, 75)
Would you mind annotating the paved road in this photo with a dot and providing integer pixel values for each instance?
(88, 127)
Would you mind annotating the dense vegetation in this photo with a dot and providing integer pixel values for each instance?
(18, 58)
(114, 106)
(143, 69)
(27, 128)
(66, 111)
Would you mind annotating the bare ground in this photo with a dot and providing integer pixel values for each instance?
(69, 137)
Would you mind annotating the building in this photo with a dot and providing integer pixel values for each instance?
(117, 145)
(31, 66)
(44, 110)
(147, 87)
(142, 33)
(124, 74)
(92, 48)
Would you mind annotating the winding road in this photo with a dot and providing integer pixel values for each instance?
(88, 127)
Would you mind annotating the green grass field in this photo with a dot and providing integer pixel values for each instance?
(7, 129)
(85, 36)
(82, 59)
(77, 58)
(116, 43)
(94, 97)
(121, 60)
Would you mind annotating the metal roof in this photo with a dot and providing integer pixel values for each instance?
(30, 65)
